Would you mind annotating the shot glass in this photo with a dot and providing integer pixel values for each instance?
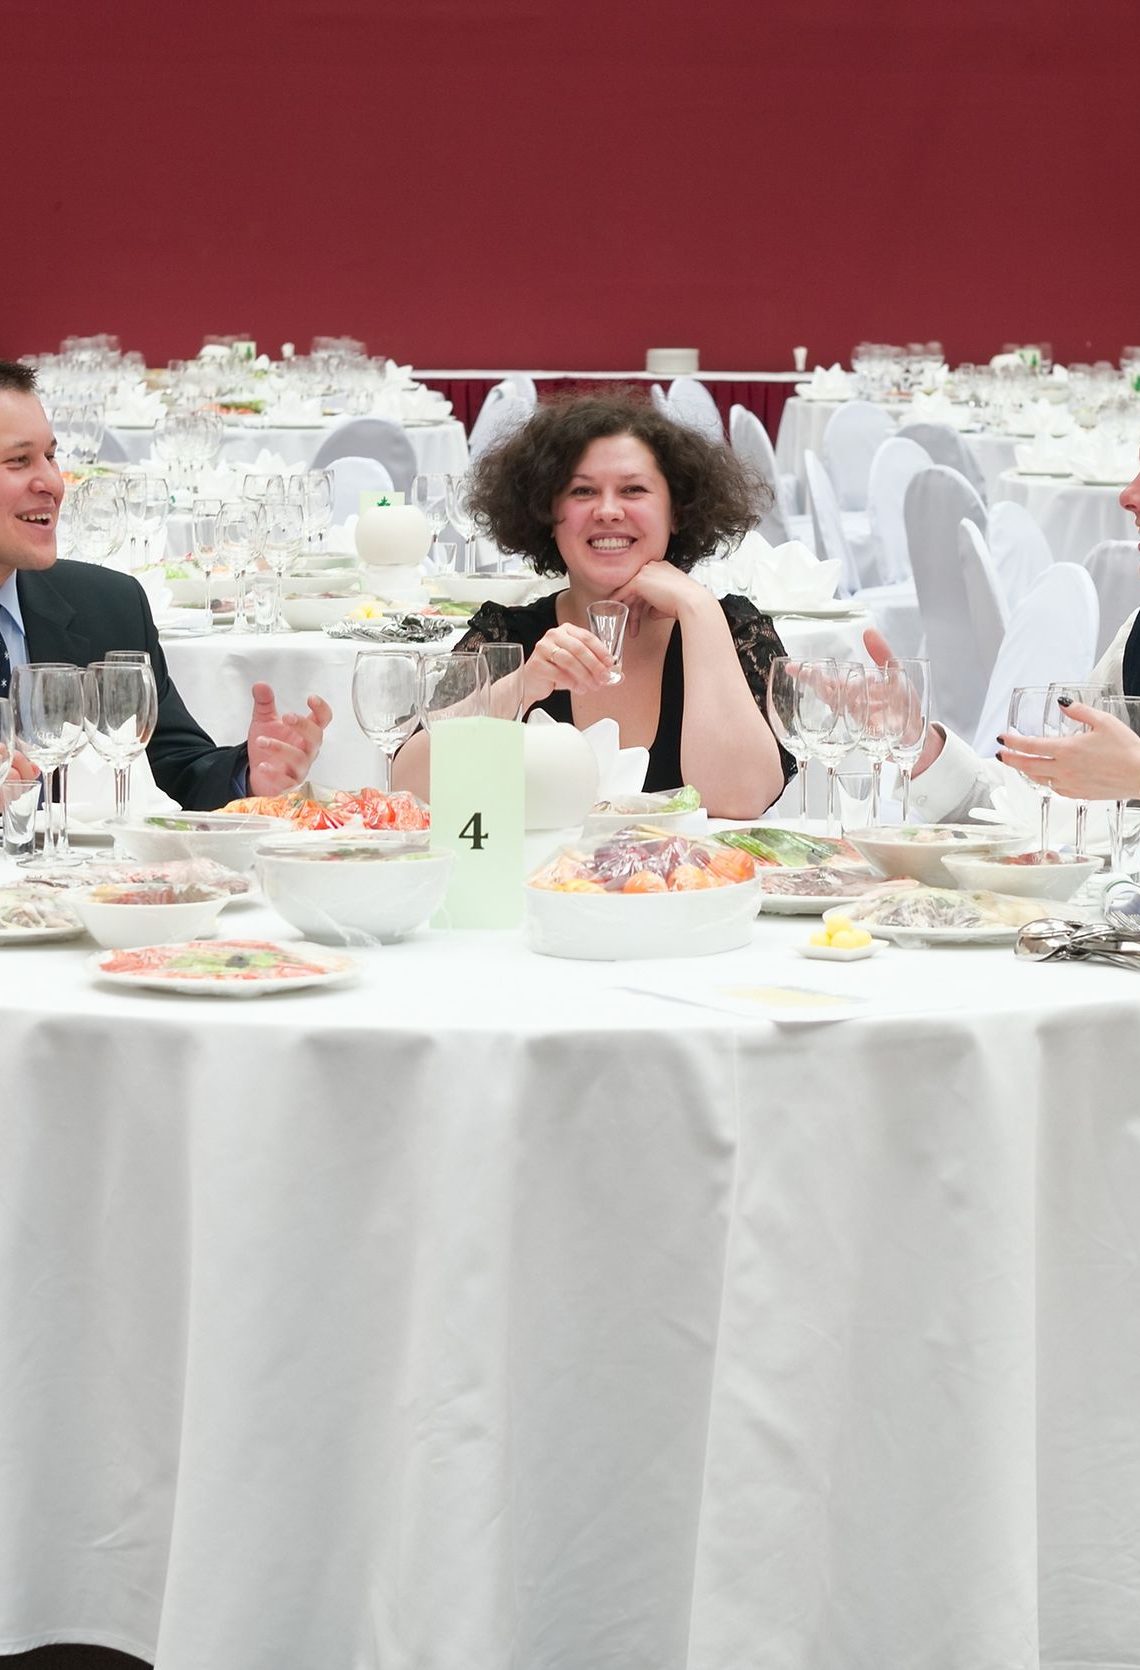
(19, 801)
(608, 622)
(854, 788)
(261, 600)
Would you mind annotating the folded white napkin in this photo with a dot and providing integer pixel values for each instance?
(1018, 805)
(423, 405)
(620, 770)
(1044, 455)
(291, 408)
(134, 407)
(827, 383)
(1093, 457)
(92, 790)
(782, 577)
(939, 408)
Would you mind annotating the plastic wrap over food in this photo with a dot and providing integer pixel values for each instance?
(911, 912)
(357, 888)
(201, 874)
(641, 892)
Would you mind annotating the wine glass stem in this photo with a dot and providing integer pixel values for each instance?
(47, 774)
(1116, 836)
(240, 623)
(62, 844)
(904, 773)
(1082, 826)
(803, 771)
(386, 770)
(830, 826)
(1046, 800)
(876, 789)
(122, 792)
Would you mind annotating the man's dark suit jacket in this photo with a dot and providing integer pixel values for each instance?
(76, 612)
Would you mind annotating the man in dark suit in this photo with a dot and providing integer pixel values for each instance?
(75, 612)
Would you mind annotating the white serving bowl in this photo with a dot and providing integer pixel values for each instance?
(1059, 880)
(353, 892)
(507, 589)
(117, 927)
(229, 838)
(189, 593)
(614, 927)
(310, 614)
(341, 582)
(894, 855)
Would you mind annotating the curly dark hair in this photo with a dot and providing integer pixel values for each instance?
(716, 499)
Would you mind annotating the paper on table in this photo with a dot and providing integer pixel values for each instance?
(751, 999)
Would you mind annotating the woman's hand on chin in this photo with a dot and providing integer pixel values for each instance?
(660, 590)
(566, 658)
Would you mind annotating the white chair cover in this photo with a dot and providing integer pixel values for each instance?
(351, 477)
(1115, 572)
(496, 419)
(946, 446)
(111, 449)
(1019, 550)
(660, 400)
(377, 438)
(830, 537)
(936, 501)
(751, 443)
(893, 468)
(854, 434)
(1052, 634)
(690, 402)
(524, 385)
(989, 616)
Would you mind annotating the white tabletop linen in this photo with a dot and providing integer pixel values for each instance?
(439, 447)
(487, 1314)
(1089, 513)
(214, 675)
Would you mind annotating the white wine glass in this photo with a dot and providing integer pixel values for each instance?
(866, 718)
(121, 703)
(385, 699)
(48, 717)
(284, 535)
(429, 494)
(820, 722)
(7, 738)
(1033, 712)
(780, 707)
(452, 687)
(1127, 710)
(1060, 724)
(908, 720)
(241, 532)
(462, 519)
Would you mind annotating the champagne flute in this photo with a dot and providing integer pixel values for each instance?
(1033, 712)
(121, 712)
(819, 721)
(780, 707)
(48, 716)
(385, 699)
(908, 701)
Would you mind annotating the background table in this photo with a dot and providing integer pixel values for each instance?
(437, 446)
(488, 1314)
(1091, 514)
(804, 421)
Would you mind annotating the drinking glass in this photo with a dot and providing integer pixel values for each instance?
(908, 717)
(452, 687)
(820, 722)
(148, 506)
(19, 801)
(504, 663)
(866, 718)
(608, 621)
(780, 706)
(7, 737)
(385, 699)
(1033, 712)
(204, 545)
(98, 518)
(241, 532)
(284, 533)
(121, 712)
(1127, 710)
(1089, 695)
(48, 714)
(460, 516)
(319, 491)
(429, 494)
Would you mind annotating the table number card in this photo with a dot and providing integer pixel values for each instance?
(477, 812)
(378, 499)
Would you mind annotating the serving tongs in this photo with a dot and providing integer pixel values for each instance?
(1117, 941)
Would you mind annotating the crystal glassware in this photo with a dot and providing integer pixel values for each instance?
(241, 533)
(1059, 723)
(48, 717)
(1033, 712)
(908, 717)
(452, 687)
(460, 515)
(608, 620)
(820, 721)
(504, 664)
(386, 699)
(780, 707)
(1127, 710)
(121, 704)
(429, 494)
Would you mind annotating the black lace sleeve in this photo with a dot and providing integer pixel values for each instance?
(757, 645)
(493, 623)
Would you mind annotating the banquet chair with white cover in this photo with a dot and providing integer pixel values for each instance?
(831, 542)
(1077, 518)
(690, 402)
(989, 616)
(522, 384)
(936, 501)
(854, 434)
(1115, 572)
(946, 446)
(660, 399)
(351, 477)
(1019, 549)
(893, 468)
(377, 438)
(752, 445)
(1051, 634)
(496, 419)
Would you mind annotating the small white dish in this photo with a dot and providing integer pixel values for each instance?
(505, 589)
(842, 954)
(310, 614)
(1023, 881)
(116, 926)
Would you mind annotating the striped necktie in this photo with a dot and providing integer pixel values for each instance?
(5, 667)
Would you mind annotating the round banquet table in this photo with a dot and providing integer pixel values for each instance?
(803, 421)
(1076, 516)
(438, 447)
(214, 675)
(489, 1313)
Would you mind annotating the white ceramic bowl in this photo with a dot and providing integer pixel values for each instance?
(613, 927)
(337, 898)
(1024, 881)
(341, 582)
(189, 593)
(229, 838)
(893, 854)
(507, 589)
(120, 926)
(310, 614)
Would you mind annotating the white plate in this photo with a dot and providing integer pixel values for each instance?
(805, 904)
(35, 936)
(840, 953)
(1100, 480)
(1000, 934)
(816, 611)
(332, 969)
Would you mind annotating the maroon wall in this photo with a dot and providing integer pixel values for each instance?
(568, 182)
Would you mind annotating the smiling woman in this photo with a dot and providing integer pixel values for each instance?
(621, 500)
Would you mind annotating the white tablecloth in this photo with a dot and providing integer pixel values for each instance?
(487, 1314)
(214, 676)
(438, 446)
(803, 422)
(1085, 517)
